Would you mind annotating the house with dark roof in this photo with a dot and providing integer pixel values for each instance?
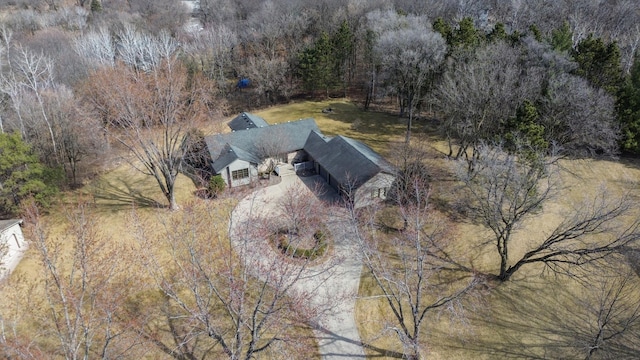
(12, 245)
(352, 168)
(239, 156)
(246, 121)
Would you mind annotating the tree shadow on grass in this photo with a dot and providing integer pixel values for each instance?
(121, 193)
(549, 320)
(378, 122)
(369, 123)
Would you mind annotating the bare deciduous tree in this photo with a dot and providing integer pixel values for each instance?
(299, 210)
(55, 43)
(505, 189)
(579, 117)
(591, 316)
(97, 48)
(277, 25)
(45, 112)
(607, 323)
(84, 290)
(226, 298)
(80, 136)
(410, 52)
(160, 15)
(28, 80)
(217, 11)
(150, 114)
(270, 78)
(142, 51)
(478, 94)
(411, 269)
(271, 148)
(213, 48)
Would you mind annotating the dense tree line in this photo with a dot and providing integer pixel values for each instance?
(485, 69)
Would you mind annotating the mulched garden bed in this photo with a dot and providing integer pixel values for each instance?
(305, 245)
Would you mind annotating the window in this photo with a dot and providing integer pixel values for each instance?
(240, 174)
(379, 193)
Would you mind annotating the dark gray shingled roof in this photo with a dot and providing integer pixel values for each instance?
(346, 159)
(249, 144)
(315, 143)
(230, 154)
(5, 224)
(246, 121)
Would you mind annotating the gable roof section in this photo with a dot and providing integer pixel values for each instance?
(315, 143)
(230, 154)
(246, 121)
(370, 154)
(5, 224)
(251, 144)
(346, 159)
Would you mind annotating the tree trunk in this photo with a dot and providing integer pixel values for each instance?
(502, 250)
(409, 123)
(506, 274)
(171, 196)
(413, 353)
(168, 188)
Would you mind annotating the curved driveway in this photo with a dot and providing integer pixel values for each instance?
(331, 284)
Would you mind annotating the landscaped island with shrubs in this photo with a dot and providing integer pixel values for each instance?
(291, 243)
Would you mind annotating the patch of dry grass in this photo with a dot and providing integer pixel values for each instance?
(502, 326)
(118, 196)
(522, 318)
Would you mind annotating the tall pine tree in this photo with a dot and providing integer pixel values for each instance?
(562, 38)
(21, 174)
(628, 109)
(599, 63)
(343, 45)
(317, 65)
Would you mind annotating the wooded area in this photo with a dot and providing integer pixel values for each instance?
(511, 68)
(512, 87)
(486, 70)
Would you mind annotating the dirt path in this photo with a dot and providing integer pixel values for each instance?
(334, 282)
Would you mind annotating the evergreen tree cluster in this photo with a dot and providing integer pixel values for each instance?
(596, 60)
(327, 63)
(22, 175)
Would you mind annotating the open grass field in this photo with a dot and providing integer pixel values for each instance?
(523, 318)
(122, 199)
(536, 314)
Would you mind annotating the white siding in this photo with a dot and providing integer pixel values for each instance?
(235, 166)
(297, 156)
(374, 190)
(12, 248)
